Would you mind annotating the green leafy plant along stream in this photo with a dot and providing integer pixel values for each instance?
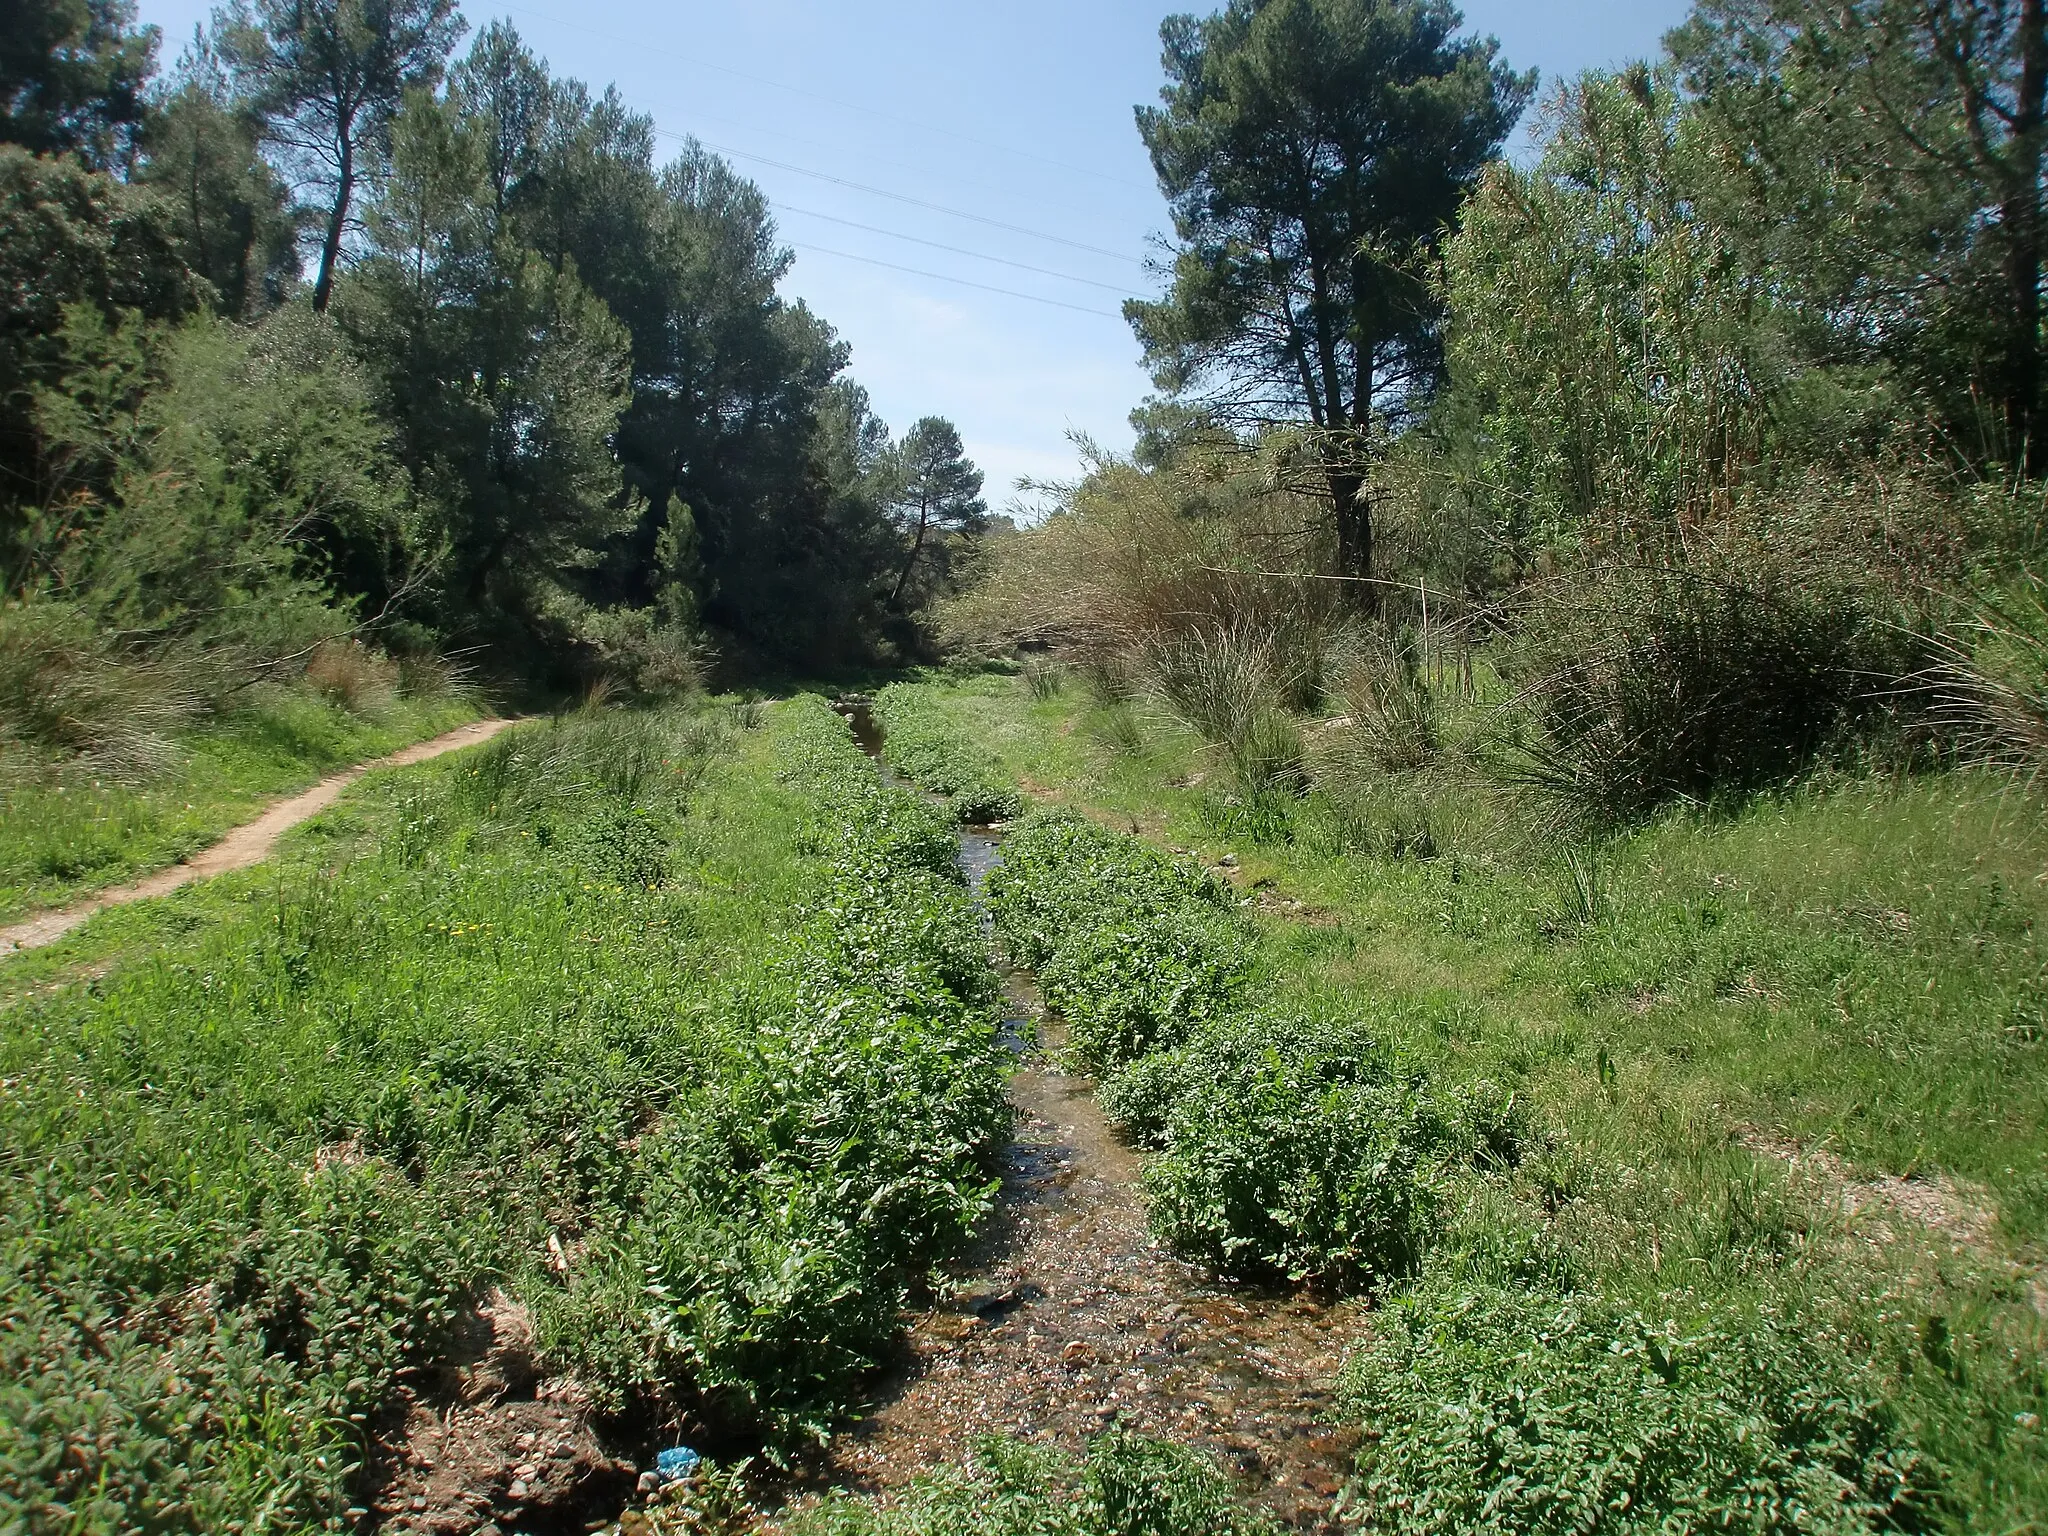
(1071, 1317)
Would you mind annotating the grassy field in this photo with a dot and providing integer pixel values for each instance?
(690, 994)
(1709, 1166)
(65, 833)
(1698, 1175)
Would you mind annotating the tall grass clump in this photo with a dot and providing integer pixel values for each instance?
(1491, 1408)
(1391, 722)
(66, 692)
(1703, 680)
(1990, 683)
(1234, 684)
(1045, 679)
(926, 747)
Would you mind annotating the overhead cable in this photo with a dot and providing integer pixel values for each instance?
(822, 250)
(851, 106)
(900, 197)
(957, 250)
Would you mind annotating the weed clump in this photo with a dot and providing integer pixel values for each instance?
(1285, 1147)
(1126, 1486)
(1504, 1408)
(929, 750)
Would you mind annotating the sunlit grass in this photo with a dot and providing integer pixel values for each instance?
(1853, 967)
(64, 832)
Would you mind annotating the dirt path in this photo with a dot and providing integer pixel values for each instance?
(248, 844)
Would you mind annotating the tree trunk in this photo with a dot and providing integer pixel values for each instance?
(337, 225)
(1354, 525)
(2021, 216)
(924, 512)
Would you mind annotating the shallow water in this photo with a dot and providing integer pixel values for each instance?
(1070, 1319)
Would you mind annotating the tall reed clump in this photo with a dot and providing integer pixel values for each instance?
(1233, 683)
(1990, 684)
(66, 691)
(1705, 678)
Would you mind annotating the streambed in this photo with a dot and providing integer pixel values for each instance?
(1071, 1320)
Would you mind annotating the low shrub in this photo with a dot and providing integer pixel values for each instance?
(923, 744)
(1492, 1408)
(1126, 1486)
(1133, 950)
(1062, 875)
(1290, 1149)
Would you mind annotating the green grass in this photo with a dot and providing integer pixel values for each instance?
(1854, 965)
(922, 744)
(65, 833)
(706, 1005)
(1125, 1486)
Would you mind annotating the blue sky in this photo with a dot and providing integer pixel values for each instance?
(1018, 115)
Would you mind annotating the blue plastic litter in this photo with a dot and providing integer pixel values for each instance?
(676, 1463)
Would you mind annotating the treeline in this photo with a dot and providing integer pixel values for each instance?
(331, 332)
(1709, 438)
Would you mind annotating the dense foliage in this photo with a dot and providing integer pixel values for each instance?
(1284, 1146)
(1493, 1407)
(540, 401)
(1125, 1486)
(755, 1262)
(250, 1181)
(920, 743)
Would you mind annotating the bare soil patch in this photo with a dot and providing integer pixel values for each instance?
(486, 1446)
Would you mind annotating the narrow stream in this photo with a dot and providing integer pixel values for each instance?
(1072, 1320)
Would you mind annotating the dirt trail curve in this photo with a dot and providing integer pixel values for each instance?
(248, 844)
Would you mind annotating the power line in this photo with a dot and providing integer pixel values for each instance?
(822, 250)
(851, 106)
(900, 197)
(957, 250)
